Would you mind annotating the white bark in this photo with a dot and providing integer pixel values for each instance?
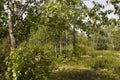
(10, 25)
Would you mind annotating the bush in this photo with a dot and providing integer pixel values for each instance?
(4, 49)
(100, 42)
(2, 66)
(84, 50)
(101, 46)
(116, 40)
(28, 63)
(103, 62)
(108, 75)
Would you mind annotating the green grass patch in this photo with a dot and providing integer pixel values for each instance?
(83, 74)
(98, 65)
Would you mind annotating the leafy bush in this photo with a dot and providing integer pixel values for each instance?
(84, 50)
(28, 63)
(108, 75)
(116, 40)
(2, 66)
(103, 62)
(117, 68)
(100, 42)
(4, 49)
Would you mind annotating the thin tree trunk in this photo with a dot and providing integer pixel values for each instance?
(55, 47)
(10, 25)
(60, 42)
(74, 40)
(66, 44)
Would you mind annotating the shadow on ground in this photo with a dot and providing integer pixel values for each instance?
(83, 75)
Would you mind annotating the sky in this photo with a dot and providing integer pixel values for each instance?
(103, 2)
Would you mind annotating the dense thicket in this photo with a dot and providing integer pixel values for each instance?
(35, 33)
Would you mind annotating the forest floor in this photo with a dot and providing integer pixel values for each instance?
(77, 71)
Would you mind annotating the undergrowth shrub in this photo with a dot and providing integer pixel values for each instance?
(84, 50)
(108, 75)
(107, 65)
(103, 62)
(4, 50)
(30, 62)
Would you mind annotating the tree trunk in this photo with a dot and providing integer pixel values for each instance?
(10, 25)
(55, 47)
(60, 44)
(74, 40)
(66, 44)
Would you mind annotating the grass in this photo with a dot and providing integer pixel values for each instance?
(83, 74)
(77, 70)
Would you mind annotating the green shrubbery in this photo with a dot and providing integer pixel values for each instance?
(29, 63)
(116, 40)
(101, 44)
(84, 50)
(107, 75)
(105, 63)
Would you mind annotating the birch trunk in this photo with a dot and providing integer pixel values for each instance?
(10, 25)
(74, 40)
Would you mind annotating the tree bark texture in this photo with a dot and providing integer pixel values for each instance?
(10, 25)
